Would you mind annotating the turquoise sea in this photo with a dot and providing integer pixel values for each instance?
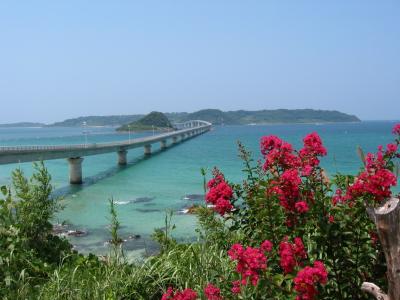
(147, 187)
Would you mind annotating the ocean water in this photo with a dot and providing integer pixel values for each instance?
(148, 187)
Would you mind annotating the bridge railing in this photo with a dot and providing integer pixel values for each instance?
(180, 128)
(191, 124)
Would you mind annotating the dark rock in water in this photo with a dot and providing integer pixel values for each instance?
(147, 210)
(149, 204)
(189, 210)
(194, 197)
(64, 230)
(59, 229)
(143, 199)
(76, 233)
(134, 237)
(137, 200)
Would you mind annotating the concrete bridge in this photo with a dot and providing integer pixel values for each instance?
(75, 153)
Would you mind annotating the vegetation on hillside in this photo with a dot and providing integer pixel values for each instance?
(216, 116)
(243, 117)
(97, 121)
(286, 232)
(154, 119)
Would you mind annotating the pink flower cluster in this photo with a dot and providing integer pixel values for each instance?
(286, 187)
(376, 180)
(391, 149)
(220, 193)
(282, 161)
(250, 261)
(212, 292)
(307, 279)
(278, 153)
(396, 129)
(312, 149)
(291, 254)
(338, 197)
(187, 294)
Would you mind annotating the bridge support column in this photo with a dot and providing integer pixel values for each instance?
(122, 157)
(182, 137)
(174, 140)
(75, 170)
(147, 149)
(163, 145)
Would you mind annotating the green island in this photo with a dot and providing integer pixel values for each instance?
(154, 120)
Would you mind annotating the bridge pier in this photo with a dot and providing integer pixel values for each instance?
(147, 149)
(122, 157)
(174, 140)
(75, 170)
(163, 145)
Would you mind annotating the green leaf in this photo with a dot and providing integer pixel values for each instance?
(4, 190)
(278, 279)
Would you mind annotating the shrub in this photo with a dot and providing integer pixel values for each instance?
(290, 231)
(28, 249)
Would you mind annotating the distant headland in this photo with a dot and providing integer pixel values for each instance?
(215, 116)
(23, 124)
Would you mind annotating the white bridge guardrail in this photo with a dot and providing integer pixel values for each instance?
(182, 128)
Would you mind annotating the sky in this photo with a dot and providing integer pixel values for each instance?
(64, 59)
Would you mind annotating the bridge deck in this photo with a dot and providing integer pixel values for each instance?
(15, 154)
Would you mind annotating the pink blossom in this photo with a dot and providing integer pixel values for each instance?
(307, 279)
(391, 149)
(266, 246)
(187, 294)
(236, 289)
(301, 207)
(396, 129)
(220, 194)
(291, 254)
(278, 153)
(212, 292)
(250, 262)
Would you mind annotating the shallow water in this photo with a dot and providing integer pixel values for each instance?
(170, 179)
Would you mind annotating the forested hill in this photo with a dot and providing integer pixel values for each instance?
(216, 116)
(154, 119)
(115, 120)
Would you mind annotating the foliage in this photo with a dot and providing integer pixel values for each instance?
(286, 232)
(97, 121)
(217, 116)
(28, 249)
(154, 119)
(292, 223)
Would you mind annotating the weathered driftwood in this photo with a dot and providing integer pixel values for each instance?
(387, 222)
(374, 290)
